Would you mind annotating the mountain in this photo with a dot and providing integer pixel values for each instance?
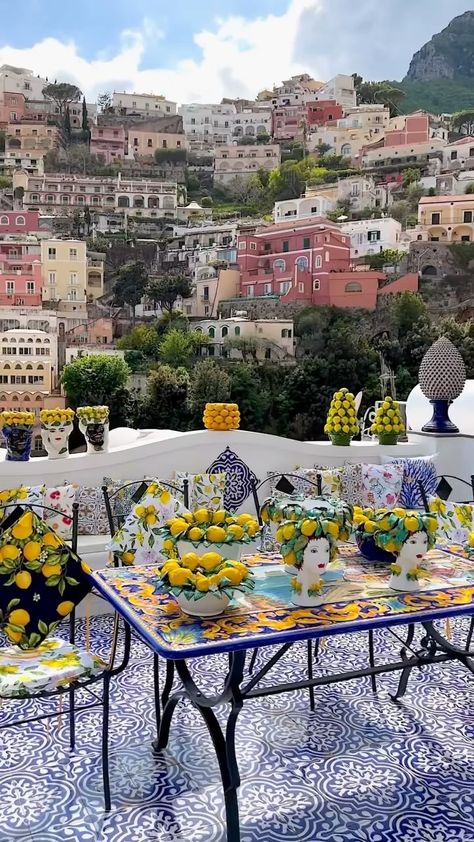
(448, 55)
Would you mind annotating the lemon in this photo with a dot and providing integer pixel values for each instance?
(332, 528)
(288, 531)
(32, 550)
(212, 559)
(178, 526)
(14, 636)
(219, 516)
(190, 560)
(411, 524)
(51, 540)
(290, 558)
(308, 528)
(187, 516)
(252, 528)
(195, 534)
(431, 524)
(140, 511)
(51, 570)
(370, 526)
(399, 512)
(243, 518)
(85, 567)
(216, 534)
(202, 583)
(19, 617)
(151, 519)
(172, 564)
(201, 516)
(24, 527)
(236, 531)
(232, 574)
(128, 557)
(65, 608)
(10, 552)
(178, 576)
(23, 580)
(168, 545)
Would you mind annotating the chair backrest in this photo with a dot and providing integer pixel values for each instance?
(444, 489)
(285, 485)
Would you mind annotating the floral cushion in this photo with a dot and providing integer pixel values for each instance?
(205, 490)
(382, 484)
(92, 513)
(455, 520)
(41, 579)
(123, 495)
(31, 494)
(52, 664)
(418, 469)
(330, 481)
(61, 499)
(352, 489)
(138, 540)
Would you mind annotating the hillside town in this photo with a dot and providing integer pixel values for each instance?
(250, 210)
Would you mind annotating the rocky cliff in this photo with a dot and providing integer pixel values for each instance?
(449, 54)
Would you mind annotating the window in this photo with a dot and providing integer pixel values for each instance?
(10, 287)
(20, 220)
(467, 216)
(435, 218)
(253, 246)
(237, 331)
(149, 143)
(193, 121)
(316, 285)
(242, 245)
(73, 278)
(279, 264)
(51, 254)
(306, 240)
(373, 236)
(318, 261)
(284, 287)
(73, 252)
(30, 287)
(302, 262)
(165, 144)
(286, 245)
(326, 256)
(205, 293)
(72, 295)
(212, 332)
(300, 287)
(250, 291)
(4, 220)
(52, 278)
(454, 155)
(353, 286)
(225, 331)
(267, 288)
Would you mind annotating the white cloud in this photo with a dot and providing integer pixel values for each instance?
(238, 57)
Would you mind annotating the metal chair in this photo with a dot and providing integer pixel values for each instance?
(105, 677)
(283, 481)
(443, 489)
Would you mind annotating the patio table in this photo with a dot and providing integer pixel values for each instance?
(361, 600)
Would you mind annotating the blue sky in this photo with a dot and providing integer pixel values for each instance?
(204, 49)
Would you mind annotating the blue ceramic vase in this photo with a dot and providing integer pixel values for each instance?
(18, 438)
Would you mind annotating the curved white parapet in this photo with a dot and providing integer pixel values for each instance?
(159, 453)
(461, 411)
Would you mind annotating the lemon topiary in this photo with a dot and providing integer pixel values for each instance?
(341, 424)
(388, 424)
(221, 416)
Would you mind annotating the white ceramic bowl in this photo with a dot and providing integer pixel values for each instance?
(210, 605)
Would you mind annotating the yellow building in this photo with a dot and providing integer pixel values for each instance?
(146, 138)
(64, 268)
(95, 275)
(447, 219)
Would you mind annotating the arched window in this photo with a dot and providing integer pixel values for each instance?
(279, 264)
(29, 367)
(318, 261)
(353, 286)
(38, 341)
(14, 398)
(21, 339)
(18, 367)
(123, 202)
(26, 399)
(302, 262)
(46, 341)
(237, 330)
(12, 339)
(7, 366)
(212, 332)
(346, 150)
(20, 220)
(39, 398)
(29, 340)
(4, 220)
(225, 331)
(40, 367)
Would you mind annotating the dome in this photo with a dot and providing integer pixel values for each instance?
(442, 372)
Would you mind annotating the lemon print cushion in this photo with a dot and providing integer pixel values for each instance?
(41, 579)
(139, 541)
(204, 489)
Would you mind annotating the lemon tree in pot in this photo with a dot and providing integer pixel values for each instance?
(203, 585)
(388, 424)
(341, 424)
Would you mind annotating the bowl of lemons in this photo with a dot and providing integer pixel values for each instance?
(204, 584)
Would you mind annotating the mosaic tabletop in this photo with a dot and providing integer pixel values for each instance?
(359, 594)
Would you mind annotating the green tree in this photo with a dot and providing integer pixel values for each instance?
(94, 379)
(104, 102)
(85, 120)
(165, 290)
(385, 93)
(252, 395)
(130, 285)
(62, 94)
(286, 182)
(409, 309)
(210, 383)
(165, 406)
(141, 338)
(247, 345)
(387, 257)
(411, 176)
(469, 188)
(177, 348)
(463, 122)
(66, 127)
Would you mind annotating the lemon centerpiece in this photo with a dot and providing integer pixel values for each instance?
(56, 427)
(388, 424)
(341, 424)
(17, 429)
(219, 531)
(221, 416)
(203, 585)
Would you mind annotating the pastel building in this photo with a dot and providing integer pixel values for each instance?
(446, 219)
(252, 122)
(146, 138)
(244, 161)
(274, 338)
(28, 368)
(20, 280)
(310, 207)
(13, 222)
(208, 124)
(370, 236)
(147, 104)
(12, 107)
(108, 143)
(64, 268)
(411, 138)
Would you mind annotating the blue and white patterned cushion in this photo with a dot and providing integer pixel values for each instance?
(418, 469)
(239, 478)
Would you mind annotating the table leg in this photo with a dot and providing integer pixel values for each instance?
(222, 740)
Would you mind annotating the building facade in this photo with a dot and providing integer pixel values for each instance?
(108, 143)
(64, 269)
(20, 280)
(207, 125)
(28, 368)
(142, 104)
(446, 219)
(370, 236)
(12, 107)
(272, 339)
(243, 161)
(146, 138)
(311, 207)
(252, 122)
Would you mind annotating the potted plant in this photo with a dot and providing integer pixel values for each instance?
(221, 416)
(17, 429)
(410, 536)
(294, 535)
(203, 585)
(388, 424)
(218, 531)
(94, 424)
(56, 427)
(341, 424)
(310, 544)
(366, 522)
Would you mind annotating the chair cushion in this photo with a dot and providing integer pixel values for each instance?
(205, 490)
(92, 518)
(60, 499)
(29, 494)
(455, 520)
(41, 579)
(351, 484)
(417, 469)
(382, 485)
(52, 664)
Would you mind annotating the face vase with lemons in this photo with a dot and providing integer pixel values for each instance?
(218, 531)
(276, 509)
(307, 547)
(409, 535)
(56, 427)
(293, 534)
(203, 585)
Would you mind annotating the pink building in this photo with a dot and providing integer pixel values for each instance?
(309, 262)
(415, 128)
(20, 280)
(323, 111)
(108, 143)
(12, 107)
(288, 122)
(13, 222)
(99, 332)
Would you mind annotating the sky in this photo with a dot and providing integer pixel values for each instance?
(202, 50)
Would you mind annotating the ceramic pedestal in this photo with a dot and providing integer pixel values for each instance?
(18, 439)
(405, 570)
(96, 435)
(209, 605)
(55, 439)
(309, 582)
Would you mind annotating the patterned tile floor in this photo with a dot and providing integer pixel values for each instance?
(358, 769)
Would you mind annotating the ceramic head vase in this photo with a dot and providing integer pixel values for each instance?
(307, 547)
(410, 537)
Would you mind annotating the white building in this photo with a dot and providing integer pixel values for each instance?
(310, 207)
(19, 80)
(242, 161)
(147, 104)
(341, 88)
(459, 155)
(208, 124)
(274, 337)
(371, 236)
(252, 122)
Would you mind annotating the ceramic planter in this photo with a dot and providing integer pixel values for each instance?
(308, 585)
(209, 605)
(388, 438)
(341, 439)
(406, 569)
(96, 435)
(18, 439)
(232, 550)
(369, 549)
(55, 438)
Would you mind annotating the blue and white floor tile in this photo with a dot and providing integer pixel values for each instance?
(357, 769)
